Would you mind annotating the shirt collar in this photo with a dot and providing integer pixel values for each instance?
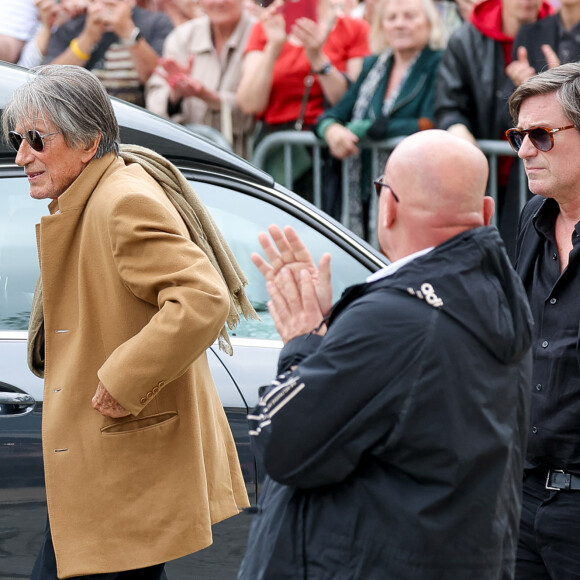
(204, 42)
(397, 265)
(545, 221)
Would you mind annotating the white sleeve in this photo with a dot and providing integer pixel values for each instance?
(31, 55)
(18, 18)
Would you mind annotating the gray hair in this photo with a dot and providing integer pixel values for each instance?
(563, 80)
(73, 100)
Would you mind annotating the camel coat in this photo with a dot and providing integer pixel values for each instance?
(129, 299)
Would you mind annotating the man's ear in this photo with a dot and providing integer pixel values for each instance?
(91, 150)
(391, 206)
(488, 209)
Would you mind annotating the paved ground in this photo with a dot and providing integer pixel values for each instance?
(22, 523)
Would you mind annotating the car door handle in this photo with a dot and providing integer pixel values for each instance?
(14, 403)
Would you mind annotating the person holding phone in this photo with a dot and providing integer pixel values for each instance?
(286, 52)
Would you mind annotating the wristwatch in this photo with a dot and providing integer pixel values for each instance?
(324, 70)
(133, 39)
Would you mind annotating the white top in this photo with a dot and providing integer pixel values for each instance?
(18, 19)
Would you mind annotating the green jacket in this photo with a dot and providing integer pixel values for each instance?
(415, 100)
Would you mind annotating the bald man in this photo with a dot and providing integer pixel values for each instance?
(394, 433)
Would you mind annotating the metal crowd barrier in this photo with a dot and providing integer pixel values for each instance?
(288, 139)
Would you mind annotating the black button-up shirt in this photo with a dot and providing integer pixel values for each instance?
(568, 43)
(554, 436)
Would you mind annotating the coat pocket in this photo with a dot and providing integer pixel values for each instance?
(139, 423)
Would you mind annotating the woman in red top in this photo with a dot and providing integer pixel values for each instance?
(276, 65)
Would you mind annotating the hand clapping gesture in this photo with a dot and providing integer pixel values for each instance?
(301, 293)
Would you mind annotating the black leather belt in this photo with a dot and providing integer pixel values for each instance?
(558, 480)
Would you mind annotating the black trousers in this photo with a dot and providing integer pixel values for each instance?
(45, 567)
(549, 543)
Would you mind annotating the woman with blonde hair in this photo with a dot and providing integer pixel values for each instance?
(394, 94)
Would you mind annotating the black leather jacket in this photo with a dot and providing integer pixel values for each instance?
(471, 86)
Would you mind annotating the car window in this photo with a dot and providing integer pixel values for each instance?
(241, 218)
(18, 253)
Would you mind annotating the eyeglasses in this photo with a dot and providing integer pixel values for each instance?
(542, 138)
(34, 139)
(379, 186)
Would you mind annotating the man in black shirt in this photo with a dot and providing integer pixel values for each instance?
(546, 109)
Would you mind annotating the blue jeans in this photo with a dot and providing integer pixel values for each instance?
(45, 567)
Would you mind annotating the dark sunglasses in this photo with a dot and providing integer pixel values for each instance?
(379, 186)
(542, 138)
(34, 138)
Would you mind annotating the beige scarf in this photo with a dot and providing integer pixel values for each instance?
(204, 232)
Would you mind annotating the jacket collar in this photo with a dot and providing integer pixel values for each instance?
(78, 193)
(204, 42)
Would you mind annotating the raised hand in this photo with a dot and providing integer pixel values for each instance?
(294, 305)
(552, 58)
(274, 24)
(288, 253)
(520, 69)
(312, 35)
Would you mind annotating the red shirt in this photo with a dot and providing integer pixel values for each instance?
(349, 39)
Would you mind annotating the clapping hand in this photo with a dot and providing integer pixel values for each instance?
(301, 293)
(179, 78)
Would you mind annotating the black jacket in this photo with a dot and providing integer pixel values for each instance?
(534, 35)
(471, 85)
(394, 449)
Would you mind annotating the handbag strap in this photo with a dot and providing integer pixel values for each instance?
(308, 82)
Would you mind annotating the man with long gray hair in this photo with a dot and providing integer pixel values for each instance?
(546, 111)
(126, 306)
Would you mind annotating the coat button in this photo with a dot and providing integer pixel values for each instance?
(534, 430)
(155, 390)
(538, 387)
(143, 400)
(161, 384)
(545, 344)
(553, 301)
(150, 395)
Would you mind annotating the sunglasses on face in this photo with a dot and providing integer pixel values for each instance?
(34, 139)
(379, 184)
(542, 138)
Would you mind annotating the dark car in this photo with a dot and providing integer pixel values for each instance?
(244, 201)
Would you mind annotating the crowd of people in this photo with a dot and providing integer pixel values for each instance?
(350, 71)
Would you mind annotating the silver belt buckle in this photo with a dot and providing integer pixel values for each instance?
(548, 479)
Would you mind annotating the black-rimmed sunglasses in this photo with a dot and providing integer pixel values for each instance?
(34, 138)
(380, 184)
(542, 138)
